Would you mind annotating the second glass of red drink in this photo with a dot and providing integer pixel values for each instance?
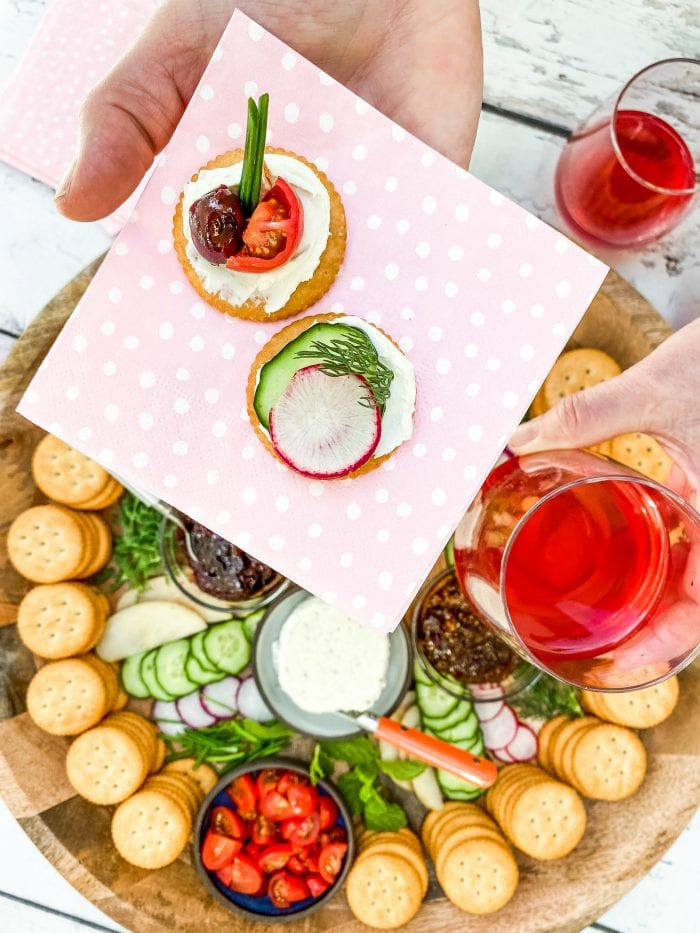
(587, 569)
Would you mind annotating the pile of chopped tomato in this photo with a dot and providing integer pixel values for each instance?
(278, 838)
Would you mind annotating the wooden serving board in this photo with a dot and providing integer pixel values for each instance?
(622, 841)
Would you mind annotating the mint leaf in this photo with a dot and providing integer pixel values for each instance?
(360, 750)
(321, 765)
(381, 815)
(350, 786)
(402, 770)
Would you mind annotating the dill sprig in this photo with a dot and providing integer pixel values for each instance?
(230, 742)
(136, 549)
(353, 354)
(547, 697)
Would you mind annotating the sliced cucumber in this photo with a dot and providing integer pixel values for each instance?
(276, 375)
(150, 678)
(462, 796)
(419, 674)
(434, 701)
(250, 623)
(131, 677)
(463, 732)
(463, 710)
(227, 646)
(197, 651)
(201, 675)
(454, 785)
(170, 667)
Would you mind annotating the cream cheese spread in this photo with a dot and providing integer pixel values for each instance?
(328, 662)
(274, 288)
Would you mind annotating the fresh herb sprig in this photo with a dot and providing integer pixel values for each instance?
(361, 785)
(230, 742)
(353, 353)
(547, 697)
(136, 550)
(253, 154)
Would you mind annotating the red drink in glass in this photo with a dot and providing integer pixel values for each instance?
(628, 175)
(605, 201)
(589, 570)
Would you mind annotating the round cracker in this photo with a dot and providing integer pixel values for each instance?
(102, 544)
(455, 810)
(64, 474)
(397, 847)
(46, 544)
(110, 494)
(203, 774)
(479, 875)
(383, 891)
(433, 816)
(609, 763)
(544, 737)
(59, 620)
(445, 845)
(106, 765)
(577, 370)
(271, 349)
(66, 697)
(638, 709)
(456, 821)
(547, 821)
(562, 765)
(306, 293)
(643, 454)
(150, 830)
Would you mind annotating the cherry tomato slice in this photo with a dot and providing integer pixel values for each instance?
(296, 865)
(275, 807)
(246, 877)
(284, 889)
(266, 781)
(302, 800)
(330, 861)
(327, 811)
(224, 874)
(275, 857)
(272, 233)
(304, 861)
(317, 885)
(253, 850)
(264, 831)
(301, 832)
(242, 792)
(334, 834)
(227, 823)
(291, 779)
(218, 850)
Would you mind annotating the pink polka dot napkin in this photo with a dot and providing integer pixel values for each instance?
(480, 295)
(75, 45)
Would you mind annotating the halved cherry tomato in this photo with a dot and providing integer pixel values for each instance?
(264, 831)
(327, 811)
(291, 779)
(253, 850)
(330, 861)
(302, 800)
(334, 834)
(224, 874)
(304, 861)
(284, 889)
(301, 832)
(266, 780)
(272, 233)
(227, 823)
(246, 877)
(275, 807)
(242, 792)
(218, 850)
(296, 865)
(275, 857)
(317, 885)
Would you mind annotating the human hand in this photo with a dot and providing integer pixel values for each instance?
(419, 64)
(658, 396)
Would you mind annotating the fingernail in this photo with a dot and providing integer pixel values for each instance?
(64, 183)
(524, 436)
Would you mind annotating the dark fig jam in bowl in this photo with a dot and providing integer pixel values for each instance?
(457, 651)
(213, 573)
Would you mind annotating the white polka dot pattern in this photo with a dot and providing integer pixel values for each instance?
(148, 378)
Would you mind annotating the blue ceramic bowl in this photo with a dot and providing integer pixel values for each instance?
(262, 908)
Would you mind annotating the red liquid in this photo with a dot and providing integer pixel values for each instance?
(585, 571)
(602, 202)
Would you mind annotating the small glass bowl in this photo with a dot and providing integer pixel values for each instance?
(521, 677)
(174, 555)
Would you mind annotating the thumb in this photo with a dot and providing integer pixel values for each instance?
(583, 419)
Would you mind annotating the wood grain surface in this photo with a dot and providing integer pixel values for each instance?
(622, 841)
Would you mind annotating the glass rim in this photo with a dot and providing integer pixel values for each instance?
(571, 484)
(677, 192)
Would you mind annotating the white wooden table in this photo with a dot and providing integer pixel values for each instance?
(547, 64)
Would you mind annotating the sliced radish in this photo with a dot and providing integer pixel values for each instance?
(502, 754)
(251, 705)
(167, 717)
(192, 713)
(488, 711)
(325, 426)
(491, 692)
(524, 746)
(500, 730)
(219, 699)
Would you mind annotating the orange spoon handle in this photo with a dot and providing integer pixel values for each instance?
(437, 753)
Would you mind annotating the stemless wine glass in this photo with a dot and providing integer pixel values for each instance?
(628, 174)
(586, 568)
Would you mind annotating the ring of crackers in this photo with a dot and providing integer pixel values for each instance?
(307, 293)
(274, 346)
